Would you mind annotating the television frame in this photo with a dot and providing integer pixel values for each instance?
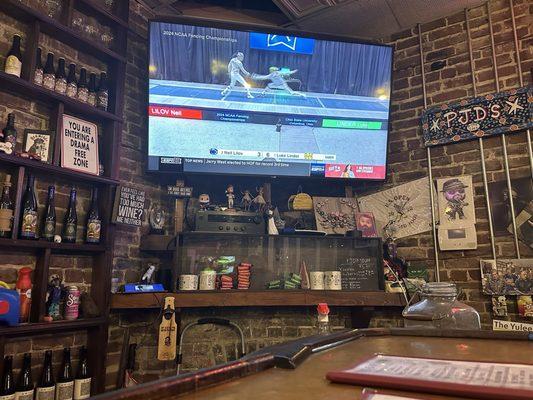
(252, 27)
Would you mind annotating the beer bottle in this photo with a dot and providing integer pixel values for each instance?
(7, 390)
(94, 222)
(46, 387)
(9, 132)
(83, 91)
(49, 221)
(14, 58)
(91, 96)
(65, 381)
(24, 389)
(61, 77)
(28, 228)
(103, 93)
(70, 225)
(6, 210)
(82, 383)
(39, 71)
(49, 76)
(72, 85)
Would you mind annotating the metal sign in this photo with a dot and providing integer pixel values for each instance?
(128, 208)
(179, 191)
(482, 116)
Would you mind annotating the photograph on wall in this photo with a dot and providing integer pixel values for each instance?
(522, 192)
(524, 225)
(335, 215)
(366, 224)
(507, 276)
(456, 202)
(39, 143)
(401, 211)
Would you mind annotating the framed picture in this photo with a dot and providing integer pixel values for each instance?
(38, 142)
(507, 276)
(522, 193)
(456, 202)
(79, 145)
(335, 215)
(366, 224)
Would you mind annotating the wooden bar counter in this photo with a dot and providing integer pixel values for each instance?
(297, 370)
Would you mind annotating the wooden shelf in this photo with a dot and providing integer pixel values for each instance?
(42, 328)
(91, 6)
(54, 170)
(249, 298)
(59, 31)
(56, 248)
(20, 86)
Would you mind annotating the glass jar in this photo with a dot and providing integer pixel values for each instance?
(439, 309)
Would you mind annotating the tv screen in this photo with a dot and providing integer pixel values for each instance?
(237, 101)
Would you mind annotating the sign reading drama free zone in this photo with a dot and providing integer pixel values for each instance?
(79, 145)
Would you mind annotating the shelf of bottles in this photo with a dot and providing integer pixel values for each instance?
(67, 384)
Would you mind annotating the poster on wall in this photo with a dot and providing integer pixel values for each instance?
(128, 208)
(483, 116)
(507, 276)
(335, 215)
(456, 202)
(79, 145)
(401, 211)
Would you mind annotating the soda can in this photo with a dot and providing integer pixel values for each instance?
(72, 303)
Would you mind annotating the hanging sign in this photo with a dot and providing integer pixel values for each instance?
(179, 191)
(483, 116)
(79, 145)
(128, 208)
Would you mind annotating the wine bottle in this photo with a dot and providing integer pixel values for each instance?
(39, 70)
(7, 390)
(82, 383)
(49, 221)
(61, 77)
(94, 222)
(9, 132)
(83, 91)
(24, 389)
(49, 76)
(6, 211)
(70, 225)
(28, 228)
(65, 381)
(91, 97)
(14, 58)
(72, 85)
(103, 93)
(46, 387)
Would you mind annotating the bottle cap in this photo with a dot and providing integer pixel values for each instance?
(323, 308)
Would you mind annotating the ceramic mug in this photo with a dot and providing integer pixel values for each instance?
(317, 280)
(332, 280)
(188, 282)
(207, 280)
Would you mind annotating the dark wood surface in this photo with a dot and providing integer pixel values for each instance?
(43, 328)
(56, 248)
(247, 298)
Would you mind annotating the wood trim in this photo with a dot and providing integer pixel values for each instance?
(40, 285)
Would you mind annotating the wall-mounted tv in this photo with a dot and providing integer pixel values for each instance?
(248, 101)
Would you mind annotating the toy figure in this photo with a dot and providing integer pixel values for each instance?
(55, 294)
(157, 219)
(454, 193)
(204, 201)
(259, 200)
(230, 195)
(271, 226)
(147, 278)
(246, 200)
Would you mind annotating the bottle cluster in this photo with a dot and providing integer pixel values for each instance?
(66, 386)
(29, 221)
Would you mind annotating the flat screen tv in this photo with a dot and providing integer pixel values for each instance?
(249, 101)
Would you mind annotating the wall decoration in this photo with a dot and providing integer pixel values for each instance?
(38, 142)
(128, 208)
(401, 211)
(525, 306)
(499, 306)
(507, 276)
(524, 225)
(457, 238)
(522, 191)
(335, 215)
(79, 145)
(482, 116)
(456, 202)
(366, 224)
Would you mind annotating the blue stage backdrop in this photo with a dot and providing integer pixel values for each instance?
(199, 54)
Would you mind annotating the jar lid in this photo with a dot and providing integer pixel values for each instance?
(440, 289)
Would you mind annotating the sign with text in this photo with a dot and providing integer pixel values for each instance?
(79, 145)
(359, 273)
(179, 191)
(493, 114)
(498, 325)
(129, 206)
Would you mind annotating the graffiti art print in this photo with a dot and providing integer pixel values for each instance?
(507, 276)
(456, 202)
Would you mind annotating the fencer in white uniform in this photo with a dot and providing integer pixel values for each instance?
(235, 68)
(278, 81)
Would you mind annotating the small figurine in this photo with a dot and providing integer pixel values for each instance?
(230, 195)
(271, 225)
(204, 201)
(55, 294)
(147, 278)
(246, 200)
(259, 200)
(157, 219)
(280, 223)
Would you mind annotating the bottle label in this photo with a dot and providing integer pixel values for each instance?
(70, 231)
(64, 390)
(49, 81)
(25, 395)
(82, 388)
(61, 86)
(93, 230)
(49, 229)
(13, 66)
(8, 397)
(72, 90)
(38, 77)
(45, 393)
(103, 99)
(91, 99)
(29, 224)
(83, 93)
(6, 219)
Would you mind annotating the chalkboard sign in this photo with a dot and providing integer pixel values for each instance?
(129, 206)
(359, 273)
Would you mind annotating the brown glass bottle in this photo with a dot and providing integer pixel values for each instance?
(70, 224)
(6, 210)
(28, 223)
(65, 380)
(14, 58)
